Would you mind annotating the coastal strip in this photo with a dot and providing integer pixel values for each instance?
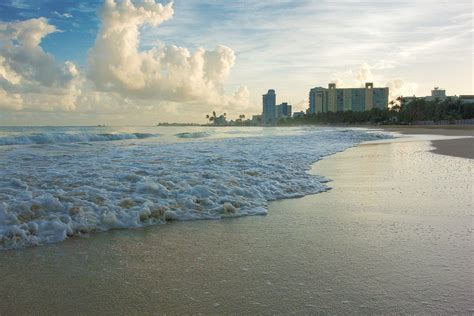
(461, 147)
(389, 238)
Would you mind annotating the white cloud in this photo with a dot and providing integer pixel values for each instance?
(120, 78)
(12, 102)
(313, 40)
(161, 73)
(364, 74)
(399, 87)
(28, 33)
(20, 4)
(30, 78)
(301, 105)
(240, 100)
(310, 44)
(63, 15)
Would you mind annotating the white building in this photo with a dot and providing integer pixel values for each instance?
(436, 94)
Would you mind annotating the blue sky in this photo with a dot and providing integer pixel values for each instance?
(76, 20)
(290, 46)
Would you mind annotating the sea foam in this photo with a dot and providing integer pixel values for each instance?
(49, 192)
(193, 135)
(51, 138)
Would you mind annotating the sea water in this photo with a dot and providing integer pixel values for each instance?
(59, 182)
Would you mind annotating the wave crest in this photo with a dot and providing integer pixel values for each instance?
(47, 198)
(52, 138)
(193, 135)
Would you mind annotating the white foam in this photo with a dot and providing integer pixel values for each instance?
(49, 193)
(51, 138)
(193, 135)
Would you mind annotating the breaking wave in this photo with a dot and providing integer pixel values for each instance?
(52, 138)
(193, 135)
(48, 194)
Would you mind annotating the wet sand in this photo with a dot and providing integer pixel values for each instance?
(454, 129)
(463, 147)
(394, 235)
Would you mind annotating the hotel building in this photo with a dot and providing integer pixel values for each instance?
(332, 99)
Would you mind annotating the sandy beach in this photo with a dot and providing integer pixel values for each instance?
(463, 147)
(394, 235)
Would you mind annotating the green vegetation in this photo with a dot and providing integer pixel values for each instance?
(399, 113)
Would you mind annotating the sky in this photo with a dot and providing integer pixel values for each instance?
(141, 62)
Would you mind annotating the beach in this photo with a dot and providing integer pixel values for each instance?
(462, 147)
(393, 235)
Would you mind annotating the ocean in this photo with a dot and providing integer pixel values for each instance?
(60, 182)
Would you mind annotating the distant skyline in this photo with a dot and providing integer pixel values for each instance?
(139, 62)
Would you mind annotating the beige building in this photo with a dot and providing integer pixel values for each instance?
(335, 99)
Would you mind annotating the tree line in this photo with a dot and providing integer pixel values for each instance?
(400, 112)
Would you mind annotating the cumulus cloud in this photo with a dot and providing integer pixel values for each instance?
(119, 77)
(354, 77)
(240, 99)
(364, 74)
(301, 105)
(399, 87)
(29, 76)
(12, 102)
(169, 73)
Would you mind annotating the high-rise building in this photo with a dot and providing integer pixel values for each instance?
(283, 110)
(317, 100)
(269, 108)
(334, 99)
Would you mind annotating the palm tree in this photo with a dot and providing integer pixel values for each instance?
(212, 117)
(240, 119)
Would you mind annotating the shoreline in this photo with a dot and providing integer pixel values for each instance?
(457, 147)
(386, 239)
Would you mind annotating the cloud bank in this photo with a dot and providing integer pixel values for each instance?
(127, 71)
(119, 76)
(29, 77)
(167, 72)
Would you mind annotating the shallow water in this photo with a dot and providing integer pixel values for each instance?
(58, 182)
(393, 236)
